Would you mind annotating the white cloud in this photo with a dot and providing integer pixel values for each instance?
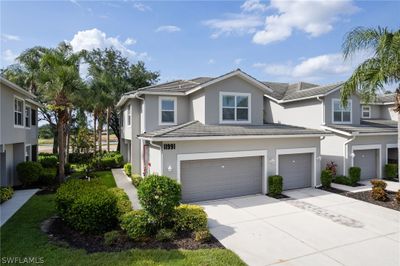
(211, 61)
(9, 37)
(129, 41)
(314, 68)
(141, 7)
(234, 24)
(9, 56)
(313, 17)
(75, 2)
(168, 28)
(253, 5)
(238, 61)
(94, 38)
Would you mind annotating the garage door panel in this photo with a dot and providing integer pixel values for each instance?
(296, 170)
(220, 178)
(367, 161)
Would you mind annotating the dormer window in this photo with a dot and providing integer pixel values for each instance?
(167, 107)
(235, 107)
(366, 112)
(340, 114)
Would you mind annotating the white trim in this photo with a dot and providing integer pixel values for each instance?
(234, 94)
(30, 152)
(235, 137)
(219, 155)
(369, 147)
(336, 130)
(129, 115)
(16, 87)
(362, 111)
(389, 146)
(312, 150)
(160, 99)
(333, 111)
(23, 112)
(29, 115)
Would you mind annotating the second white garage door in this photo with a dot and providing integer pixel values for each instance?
(296, 170)
(367, 161)
(220, 178)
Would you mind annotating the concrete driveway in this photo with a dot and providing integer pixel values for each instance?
(313, 227)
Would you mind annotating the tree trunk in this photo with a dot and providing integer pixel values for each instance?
(55, 141)
(100, 127)
(61, 146)
(67, 138)
(108, 129)
(94, 132)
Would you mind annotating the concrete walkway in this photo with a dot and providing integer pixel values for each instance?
(124, 182)
(12, 205)
(391, 186)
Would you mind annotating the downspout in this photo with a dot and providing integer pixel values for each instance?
(323, 109)
(142, 152)
(345, 153)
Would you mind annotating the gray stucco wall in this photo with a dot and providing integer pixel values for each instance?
(233, 84)
(355, 108)
(307, 113)
(187, 147)
(197, 104)
(388, 113)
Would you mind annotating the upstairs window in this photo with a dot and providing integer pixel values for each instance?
(167, 106)
(33, 117)
(366, 112)
(18, 109)
(27, 116)
(340, 114)
(234, 107)
(129, 116)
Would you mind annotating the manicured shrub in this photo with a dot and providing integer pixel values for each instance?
(391, 170)
(47, 176)
(189, 218)
(87, 206)
(138, 224)
(128, 169)
(29, 172)
(378, 193)
(159, 195)
(165, 234)
(124, 205)
(111, 237)
(326, 178)
(354, 175)
(119, 160)
(398, 196)
(6, 193)
(136, 180)
(378, 183)
(275, 185)
(48, 161)
(67, 169)
(331, 166)
(80, 158)
(202, 236)
(342, 179)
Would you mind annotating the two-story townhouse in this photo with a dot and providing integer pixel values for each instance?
(18, 129)
(365, 135)
(212, 135)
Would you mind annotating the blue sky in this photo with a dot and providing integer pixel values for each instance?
(274, 40)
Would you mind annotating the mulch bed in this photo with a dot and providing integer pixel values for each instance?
(280, 196)
(60, 234)
(366, 196)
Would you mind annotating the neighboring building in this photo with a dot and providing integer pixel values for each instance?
(18, 130)
(210, 135)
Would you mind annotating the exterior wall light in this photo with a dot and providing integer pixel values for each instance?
(169, 168)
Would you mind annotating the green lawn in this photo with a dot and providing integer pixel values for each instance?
(107, 178)
(21, 237)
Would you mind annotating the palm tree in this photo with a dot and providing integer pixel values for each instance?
(381, 69)
(59, 83)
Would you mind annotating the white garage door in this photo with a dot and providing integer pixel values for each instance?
(296, 170)
(367, 161)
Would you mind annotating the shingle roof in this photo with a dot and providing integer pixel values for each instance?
(368, 126)
(197, 129)
(386, 98)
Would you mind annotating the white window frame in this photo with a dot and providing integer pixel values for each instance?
(369, 111)
(30, 152)
(22, 112)
(129, 116)
(29, 115)
(235, 121)
(160, 99)
(333, 112)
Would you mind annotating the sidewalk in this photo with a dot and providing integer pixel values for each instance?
(124, 182)
(12, 205)
(391, 186)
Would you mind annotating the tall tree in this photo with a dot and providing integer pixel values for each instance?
(381, 69)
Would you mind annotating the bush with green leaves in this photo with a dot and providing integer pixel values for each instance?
(128, 169)
(165, 234)
(326, 178)
(87, 206)
(189, 218)
(136, 180)
(47, 176)
(159, 195)
(391, 170)
(342, 179)
(354, 175)
(29, 172)
(48, 161)
(275, 185)
(138, 224)
(80, 158)
(6, 193)
(111, 237)
(202, 236)
(124, 205)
